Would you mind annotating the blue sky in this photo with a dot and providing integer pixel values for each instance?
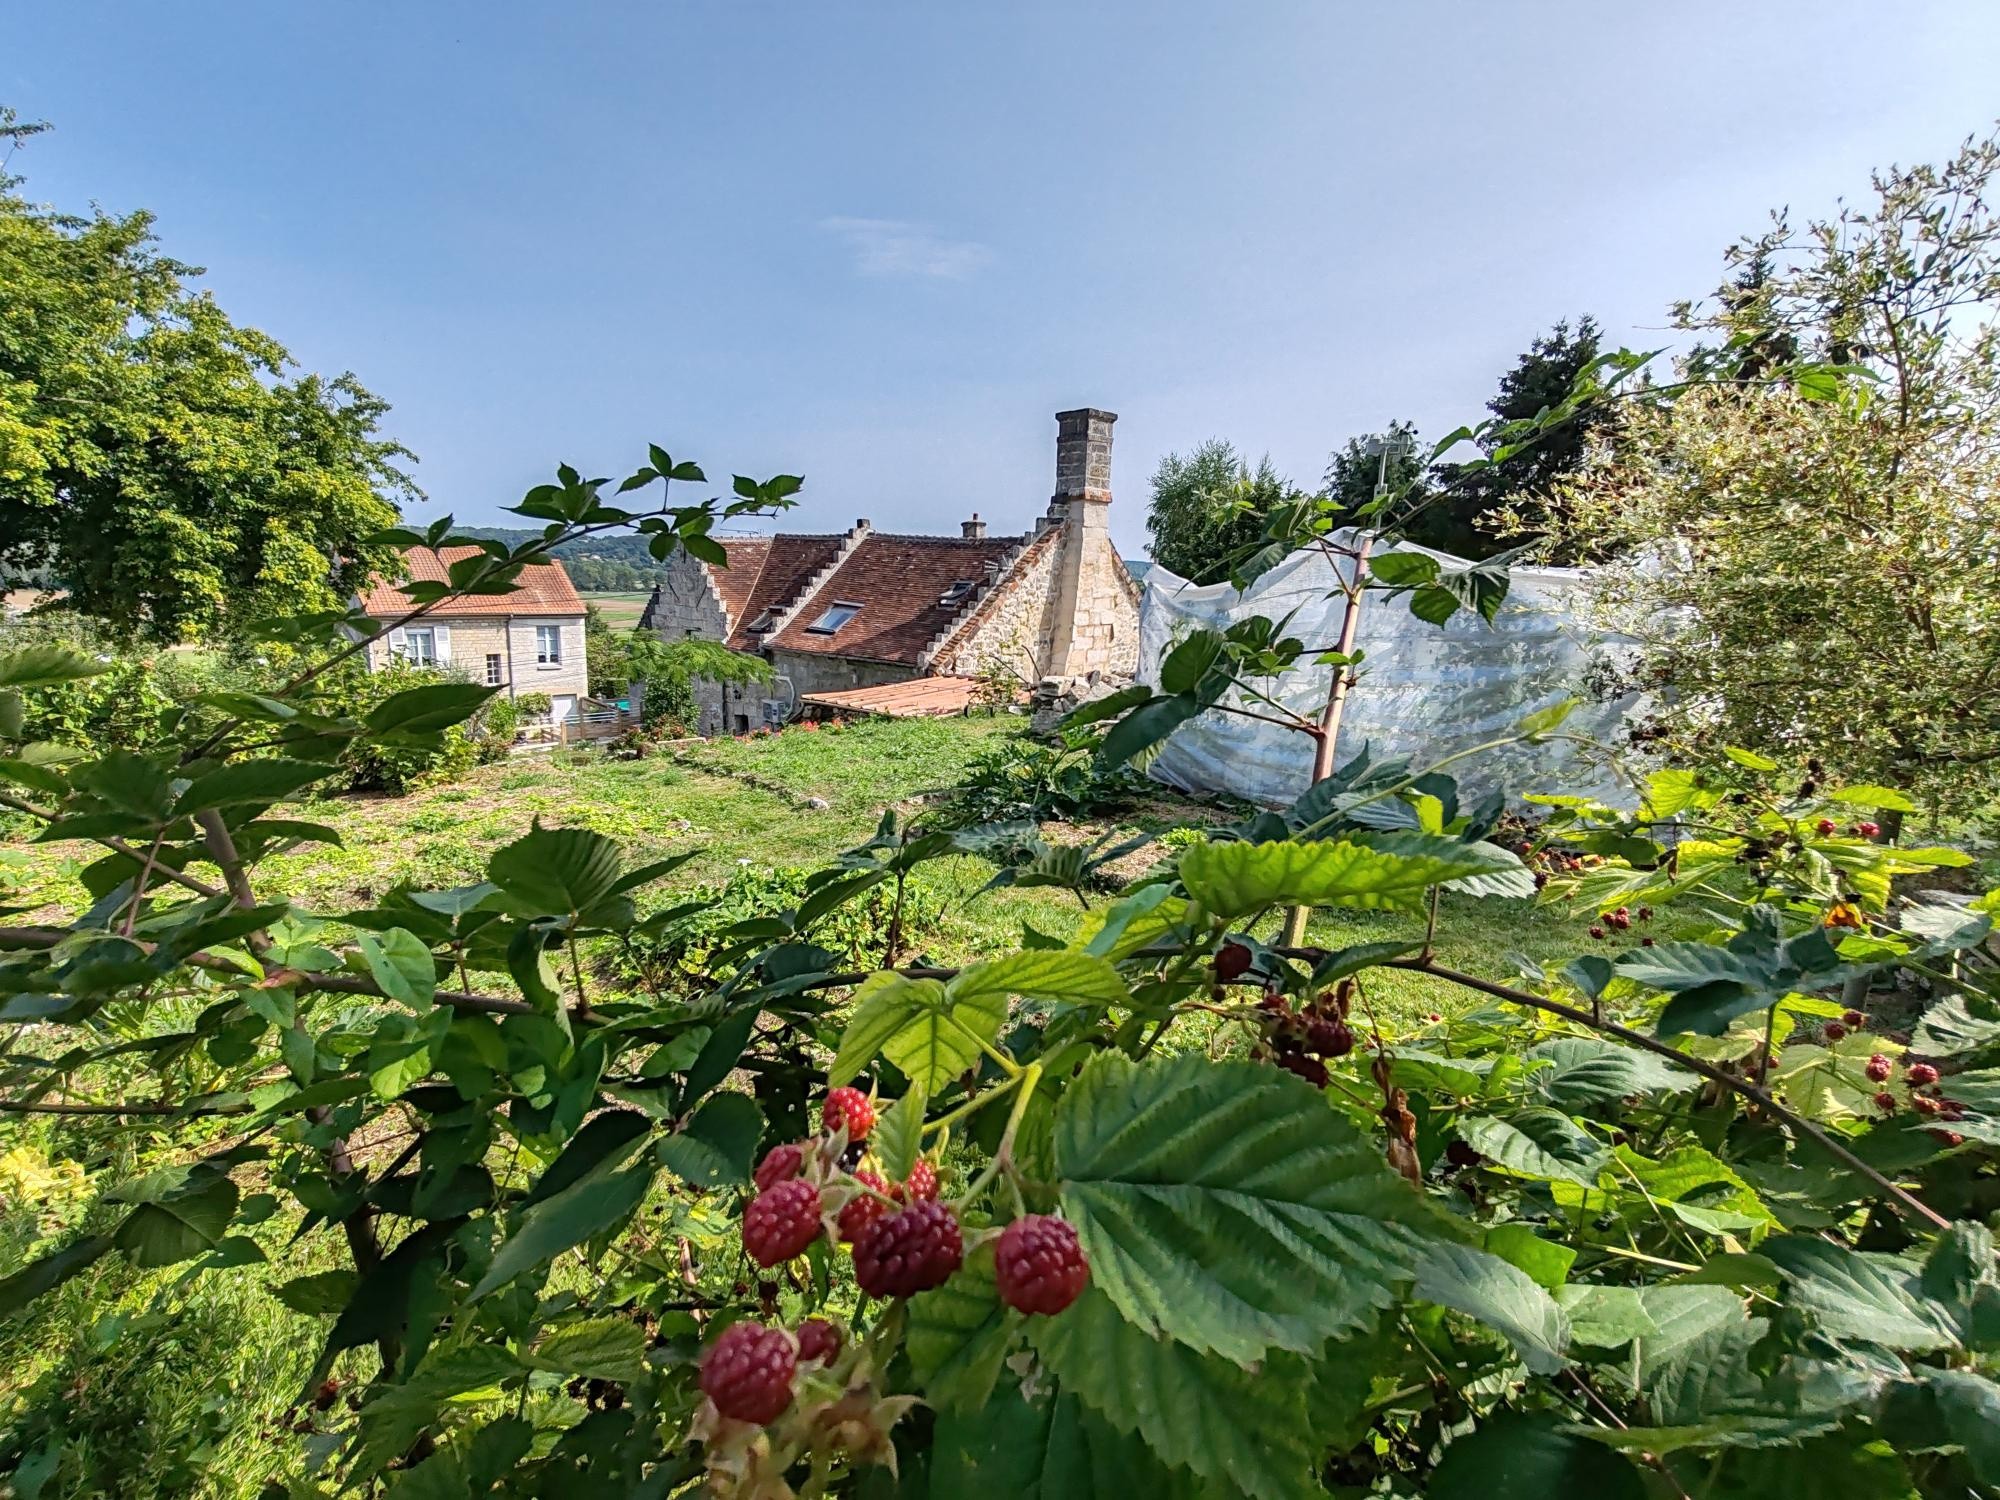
(881, 244)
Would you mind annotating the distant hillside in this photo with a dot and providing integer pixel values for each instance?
(612, 563)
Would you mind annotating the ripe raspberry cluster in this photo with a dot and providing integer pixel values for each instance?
(1620, 919)
(1925, 1094)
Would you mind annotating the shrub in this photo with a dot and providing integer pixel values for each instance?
(1024, 779)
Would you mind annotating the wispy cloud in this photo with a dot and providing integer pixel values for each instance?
(896, 247)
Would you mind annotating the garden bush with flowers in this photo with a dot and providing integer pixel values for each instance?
(1170, 1209)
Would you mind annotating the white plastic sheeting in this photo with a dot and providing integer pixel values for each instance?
(1425, 691)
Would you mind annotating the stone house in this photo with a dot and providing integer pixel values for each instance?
(841, 613)
(529, 641)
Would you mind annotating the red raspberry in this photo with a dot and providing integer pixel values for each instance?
(1853, 1019)
(780, 1163)
(849, 1107)
(922, 1183)
(909, 1252)
(1947, 1137)
(1329, 1038)
(862, 1209)
(818, 1340)
(1597, 932)
(1232, 961)
(1878, 1069)
(1923, 1104)
(1921, 1075)
(747, 1372)
(1886, 1102)
(780, 1222)
(1835, 1031)
(1040, 1266)
(1868, 830)
(1951, 1109)
(1646, 941)
(1311, 1069)
(1824, 827)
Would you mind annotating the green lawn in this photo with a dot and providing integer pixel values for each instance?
(744, 802)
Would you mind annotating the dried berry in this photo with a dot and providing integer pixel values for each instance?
(1326, 1038)
(849, 1107)
(818, 1340)
(1311, 1069)
(1462, 1154)
(1039, 1264)
(1853, 1019)
(747, 1372)
(909, 1252)
(1644, 914)
(1232, 962)
(780, 1222)
(862, 1209)
(780, 1163)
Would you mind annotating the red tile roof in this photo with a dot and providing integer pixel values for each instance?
(919, 698)
(785, 564)
(897, 581)
(542, 589)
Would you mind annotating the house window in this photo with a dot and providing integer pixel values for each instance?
(548, 645)
(420, 646)
(765, 620)
(493, 669)
(957, 592)
(836, 615)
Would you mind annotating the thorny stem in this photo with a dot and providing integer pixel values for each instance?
(1003, 1158)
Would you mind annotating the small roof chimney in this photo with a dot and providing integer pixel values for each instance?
(972, 530)
(1083, 455)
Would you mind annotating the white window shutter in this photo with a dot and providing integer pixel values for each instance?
(443, 639)
(399, 643)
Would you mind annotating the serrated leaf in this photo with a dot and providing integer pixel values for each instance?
(914, 1024)
(1948, 1409)
(1536, 1143)
(1060, 976)
(1860, 1294)
(177, 1226)
(1586, 1070)
(321, 1294)
(401, 965)
(1235, 879)
(1498, 1295)
(1197, 1412)
(248, 782)
(1605, 1317)
(1046, 1448)
(1531, 1457)
(51, 1271)
(719, 1144)
(899, 1135)
(425, 710)
(46, 665)
(557, 872)
(601, 1199)
(1224, 1205)
(1950, 1027)
(959, 1336)
(602, 1348)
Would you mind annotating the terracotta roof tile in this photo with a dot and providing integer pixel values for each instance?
(784, 565)
(897, 581)
(542, 589)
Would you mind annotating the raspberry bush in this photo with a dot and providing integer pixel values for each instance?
(1176, 1208)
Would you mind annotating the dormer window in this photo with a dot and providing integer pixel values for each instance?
(960, 590)
(764, 621)
(836, 615)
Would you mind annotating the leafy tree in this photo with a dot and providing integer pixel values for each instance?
(1353, 475)
(1209, 507)
(673, 671)
(1809, 562)
(158, 459)
(608, 654)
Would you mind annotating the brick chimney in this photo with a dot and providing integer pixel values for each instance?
(1082, 624)
(973, 529)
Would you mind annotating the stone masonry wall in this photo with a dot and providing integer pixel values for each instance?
(1013, 635)
(686, 603)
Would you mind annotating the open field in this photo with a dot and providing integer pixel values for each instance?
(620, 611)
